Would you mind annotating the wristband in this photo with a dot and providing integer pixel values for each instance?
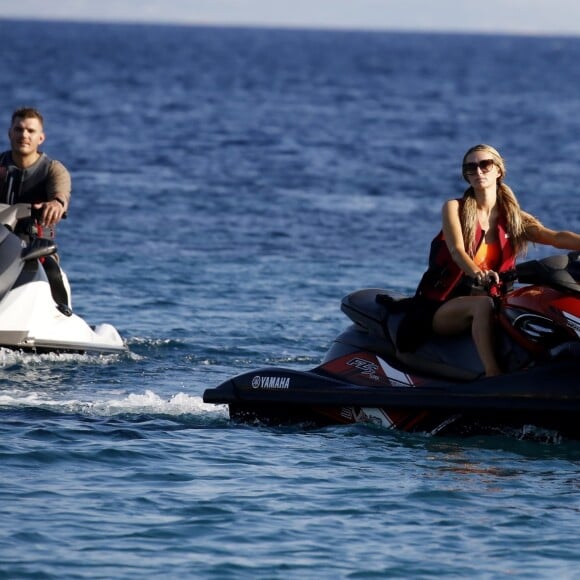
(59, 201)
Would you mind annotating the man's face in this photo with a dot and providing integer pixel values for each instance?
(26, 135)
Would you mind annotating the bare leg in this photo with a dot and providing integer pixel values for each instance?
(475, 312)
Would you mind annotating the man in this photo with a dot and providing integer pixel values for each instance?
(29, 176)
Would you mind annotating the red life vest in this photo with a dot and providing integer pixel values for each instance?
(443, 276)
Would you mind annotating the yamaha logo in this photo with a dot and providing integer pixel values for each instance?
(259, 382)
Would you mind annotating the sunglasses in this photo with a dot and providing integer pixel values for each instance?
(485, 165)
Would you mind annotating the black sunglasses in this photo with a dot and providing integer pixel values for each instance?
(485, 165)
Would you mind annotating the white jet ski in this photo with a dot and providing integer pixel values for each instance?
(35, 313)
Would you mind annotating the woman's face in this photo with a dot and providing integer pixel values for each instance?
(481, 170)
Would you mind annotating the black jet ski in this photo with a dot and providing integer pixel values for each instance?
(440, 388)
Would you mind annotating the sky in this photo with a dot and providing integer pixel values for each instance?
(551, 17)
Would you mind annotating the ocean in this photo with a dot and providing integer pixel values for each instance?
(230, 186)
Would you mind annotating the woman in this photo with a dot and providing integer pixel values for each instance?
(482, 234)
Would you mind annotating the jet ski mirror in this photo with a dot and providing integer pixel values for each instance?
(39, 248)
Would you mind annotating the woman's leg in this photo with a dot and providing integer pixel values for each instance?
(475, 312)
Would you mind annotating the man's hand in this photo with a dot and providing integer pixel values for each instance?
(52, 212)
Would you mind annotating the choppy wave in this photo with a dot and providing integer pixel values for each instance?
(147, 402)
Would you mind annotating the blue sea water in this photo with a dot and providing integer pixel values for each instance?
(230, 186)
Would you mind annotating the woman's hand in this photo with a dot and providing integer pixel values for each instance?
(487, 278)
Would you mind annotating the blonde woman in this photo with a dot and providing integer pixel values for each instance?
(482, 234)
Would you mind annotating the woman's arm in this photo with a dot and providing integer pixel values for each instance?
(454, 238)
(563, 240)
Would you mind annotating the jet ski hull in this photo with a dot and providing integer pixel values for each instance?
(23, 341)
(545, 397)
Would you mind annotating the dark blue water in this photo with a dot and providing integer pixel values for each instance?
(230, 186)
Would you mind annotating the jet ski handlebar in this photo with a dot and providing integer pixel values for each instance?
(36, 247)
(560, 271)
(506, 280)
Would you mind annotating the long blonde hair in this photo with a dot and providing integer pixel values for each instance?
(517, 221)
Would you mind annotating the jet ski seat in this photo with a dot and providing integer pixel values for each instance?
(447, 357)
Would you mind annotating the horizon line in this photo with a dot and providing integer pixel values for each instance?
(297, 26)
